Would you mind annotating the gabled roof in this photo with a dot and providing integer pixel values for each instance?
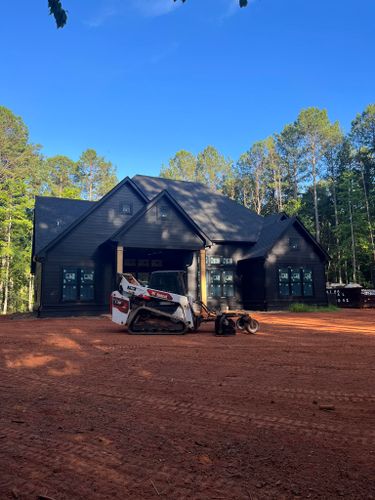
(53, 215)
(84, 214)
(221, 218)
(166, 195)
(273, 229)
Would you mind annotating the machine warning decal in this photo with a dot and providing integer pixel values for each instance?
(157, 294)
(120, 304)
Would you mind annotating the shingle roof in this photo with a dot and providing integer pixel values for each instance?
(272, 230)
(49, 231)
(221, 218)
(274, 226)
(218, 217)
(53, 215)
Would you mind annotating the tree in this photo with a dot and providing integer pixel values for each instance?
(19, 161)
(61, 16)
(317, 133)
(183, 167)
(209, 167)
(96, 176)
(290, 153)
(362, 136)
(276, 175)
(253, 177)
(338, 159)
(58, 12)
(62, 176)
(212, 168)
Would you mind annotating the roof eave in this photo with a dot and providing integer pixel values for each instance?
(42, 253)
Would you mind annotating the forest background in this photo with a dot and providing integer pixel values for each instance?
(311, 169)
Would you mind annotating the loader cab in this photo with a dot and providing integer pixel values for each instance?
(169, 281)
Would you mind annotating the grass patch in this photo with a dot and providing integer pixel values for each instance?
(297, 307)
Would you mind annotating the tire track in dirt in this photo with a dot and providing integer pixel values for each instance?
(228, 416)
(83, 460)
(291, 393)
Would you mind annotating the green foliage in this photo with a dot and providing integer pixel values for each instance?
(209, 167)
(24, 173)
(297, 307)
(96, 175)
(62, 177)
(311, 170)
(182, 167)
(57, 11)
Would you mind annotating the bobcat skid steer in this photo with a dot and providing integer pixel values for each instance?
(165, 308)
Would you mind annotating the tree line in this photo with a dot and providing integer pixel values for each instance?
(310, 169)
(25, 173)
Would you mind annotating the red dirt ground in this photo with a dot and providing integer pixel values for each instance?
(89, 412)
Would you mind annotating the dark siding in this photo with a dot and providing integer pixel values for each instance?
(82, 248)
(281, 255)
(150, 231)
(83, 241)
(236, 252)
(253, 278)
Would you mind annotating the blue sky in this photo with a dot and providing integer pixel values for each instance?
(137, 80)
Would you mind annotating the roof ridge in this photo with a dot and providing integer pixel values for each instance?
(217, 193)
(167, 179)
(63, 198)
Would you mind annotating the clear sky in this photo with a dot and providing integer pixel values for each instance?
(137, 80)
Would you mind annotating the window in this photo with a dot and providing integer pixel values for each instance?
(156, 263)
(284, 281)
(307, 282)
(217, 260)
(215, 283)
(295, 282)
(163, 212)
(126, 208)
(294, 243)
(227, 261)
(221, 283)
(220, 276)
(143, 263)
(214, 261)
(130, 263)
(78, 284)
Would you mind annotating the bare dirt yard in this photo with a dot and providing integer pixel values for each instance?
(89, 412)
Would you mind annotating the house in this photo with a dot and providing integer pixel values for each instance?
(232, 256)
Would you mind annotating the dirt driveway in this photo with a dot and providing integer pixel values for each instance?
(88, 412)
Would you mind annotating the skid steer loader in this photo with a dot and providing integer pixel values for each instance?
(163, 307)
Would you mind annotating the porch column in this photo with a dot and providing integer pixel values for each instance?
(203, 283)
(120, 259)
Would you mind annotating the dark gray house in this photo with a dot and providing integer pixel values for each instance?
(232, 256)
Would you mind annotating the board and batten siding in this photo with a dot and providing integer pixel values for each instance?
(282, 255)
(253, 290)
(82, 246)
(151, 231)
